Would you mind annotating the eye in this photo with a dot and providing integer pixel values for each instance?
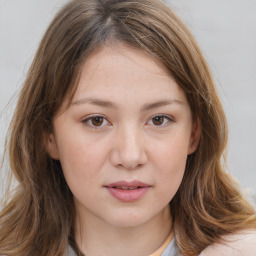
(96, 121)
(160, 120)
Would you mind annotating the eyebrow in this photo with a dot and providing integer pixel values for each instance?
(110, 104)
(95, 101)
(162, 103)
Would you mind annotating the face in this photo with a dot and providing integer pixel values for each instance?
(124, 141)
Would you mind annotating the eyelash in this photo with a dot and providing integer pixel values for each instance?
(88, 121)
(167, 119)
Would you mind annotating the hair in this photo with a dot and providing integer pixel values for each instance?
(39, 217)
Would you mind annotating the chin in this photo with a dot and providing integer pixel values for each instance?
(129, 220)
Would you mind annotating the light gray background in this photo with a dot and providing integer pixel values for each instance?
(225, 30)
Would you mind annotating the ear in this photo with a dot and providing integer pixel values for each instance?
(194, 137)
(51, 146)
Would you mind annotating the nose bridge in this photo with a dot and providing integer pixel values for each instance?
(131, 140)
(130, 151)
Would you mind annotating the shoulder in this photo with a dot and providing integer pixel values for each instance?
(240, 244)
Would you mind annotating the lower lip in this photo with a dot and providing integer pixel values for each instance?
(128, 195)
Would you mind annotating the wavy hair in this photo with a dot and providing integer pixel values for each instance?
(38, 219)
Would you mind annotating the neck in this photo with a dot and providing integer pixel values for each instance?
(96, 237)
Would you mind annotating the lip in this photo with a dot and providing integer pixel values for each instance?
(126, 191)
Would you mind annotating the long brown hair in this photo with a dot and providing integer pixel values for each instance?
(38, 218)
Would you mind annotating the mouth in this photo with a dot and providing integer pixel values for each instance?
(128, 191)
(128, 185)
(127, 188)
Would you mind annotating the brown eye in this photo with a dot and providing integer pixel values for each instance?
(97, 120)
(158, 120)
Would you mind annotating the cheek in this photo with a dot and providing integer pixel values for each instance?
(81, 159)
(172, 151)
(171, 170)
(170, 159)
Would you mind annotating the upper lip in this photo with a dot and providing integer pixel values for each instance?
(128, 184)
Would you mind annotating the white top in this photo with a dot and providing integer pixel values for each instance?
(240, 244)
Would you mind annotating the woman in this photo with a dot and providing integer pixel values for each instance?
(117, 140)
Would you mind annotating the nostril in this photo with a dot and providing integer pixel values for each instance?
(128, 152)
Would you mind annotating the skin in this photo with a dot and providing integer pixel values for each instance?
(145, 132)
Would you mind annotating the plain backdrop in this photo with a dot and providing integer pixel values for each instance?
(224, 29)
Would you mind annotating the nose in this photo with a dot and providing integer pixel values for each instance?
(128, 149)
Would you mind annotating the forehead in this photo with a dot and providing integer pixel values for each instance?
(115, 55)
(125, 70)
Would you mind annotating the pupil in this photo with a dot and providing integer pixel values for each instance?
(158, 120)
(97, 121)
